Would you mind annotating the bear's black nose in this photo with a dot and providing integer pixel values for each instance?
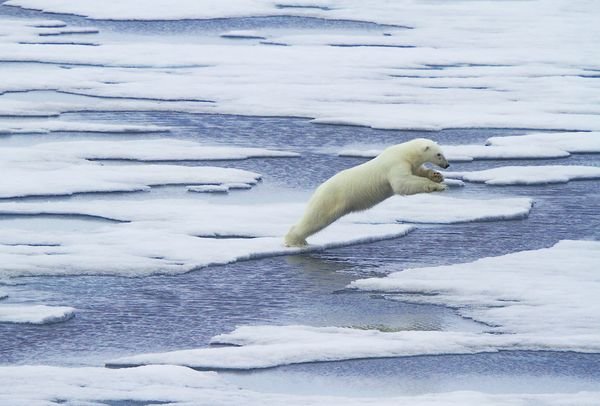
(447, 165)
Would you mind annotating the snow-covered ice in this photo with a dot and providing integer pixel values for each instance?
(546, 294)
(269, 346)
(139, 248)
(63, 168)
(576, 142)
(163, 149)
(427, 208)
(514, 295)
(47, 126)
(254, 347)
(528, 175)
(66, 177)
(173, 236)
(271, 219)
(506, 76)
(465, 153)
(49, 385)
(34, 314)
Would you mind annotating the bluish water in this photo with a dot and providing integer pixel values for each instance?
(121, 316)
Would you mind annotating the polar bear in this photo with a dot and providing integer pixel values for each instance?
(397, 170)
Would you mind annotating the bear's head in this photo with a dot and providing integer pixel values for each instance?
(423, 150)
(432, 153)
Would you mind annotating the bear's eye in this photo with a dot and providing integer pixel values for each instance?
(439, 154)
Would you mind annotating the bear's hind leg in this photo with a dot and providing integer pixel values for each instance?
(314, 220)
(293, 239)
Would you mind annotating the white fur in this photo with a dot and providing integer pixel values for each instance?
(397, 170)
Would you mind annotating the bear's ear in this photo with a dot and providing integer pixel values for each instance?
(426, 148)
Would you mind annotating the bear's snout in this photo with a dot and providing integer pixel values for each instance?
(446, 166)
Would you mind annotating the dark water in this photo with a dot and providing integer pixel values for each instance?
(121, 316)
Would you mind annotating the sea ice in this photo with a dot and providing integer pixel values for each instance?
(426, 208)
(528, 175)
(48, 126)
(465, 153)
(163, 149)
(546, 294)
(576, 142)
(20, 30)
(34, 314)
(68, 176)
(49, 385)
(502, 77)
(513, 295)
(173, 236)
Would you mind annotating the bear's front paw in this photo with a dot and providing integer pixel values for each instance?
(436, 187)
(436, 177)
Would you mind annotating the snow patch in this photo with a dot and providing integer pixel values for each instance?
(560, 281)
(554, 299)
(155, 150)
(528, 175)
(503, 77)
(577, 142)
(49, 126)
(466, 153)
(34, 314)
(162, 236)
(54, 178)
(46, 385)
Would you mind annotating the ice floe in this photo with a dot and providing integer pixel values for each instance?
(34, 314)
(576, 142)
(465, 153)
(546, 294)
(48, 126)
(178, 235)
(163, 149)
(254, 347)
(175, 385)
(531, 300)
(64, 168)
(445, 210)
(54, 178)
(528, 175)
(271, 219)
(503, 77)
(138, 249)
(19, 30)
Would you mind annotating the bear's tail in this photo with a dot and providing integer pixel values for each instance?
(292, 239)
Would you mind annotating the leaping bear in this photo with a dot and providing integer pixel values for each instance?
(397, 170)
